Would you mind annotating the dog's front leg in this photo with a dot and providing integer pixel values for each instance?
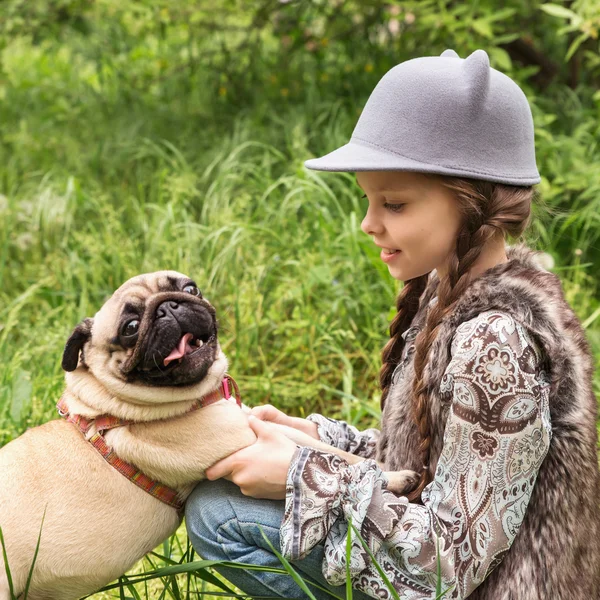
(401, 482)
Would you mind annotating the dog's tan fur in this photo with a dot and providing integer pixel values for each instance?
(97, 524)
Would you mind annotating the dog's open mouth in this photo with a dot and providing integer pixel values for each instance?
(188, 344)
(186, 363)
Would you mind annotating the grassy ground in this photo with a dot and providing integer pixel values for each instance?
(98, 186)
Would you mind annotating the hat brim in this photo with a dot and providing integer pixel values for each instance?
(358, 157)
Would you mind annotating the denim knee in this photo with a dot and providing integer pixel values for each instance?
(218, 515)
(225, 525)
(206, 510)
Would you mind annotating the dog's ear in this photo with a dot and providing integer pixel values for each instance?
(81, 334)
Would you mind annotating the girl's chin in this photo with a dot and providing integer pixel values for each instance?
(396, 272)
(401, 273)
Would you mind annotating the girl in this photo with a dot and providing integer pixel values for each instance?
(486, 379)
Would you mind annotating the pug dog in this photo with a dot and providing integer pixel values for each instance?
(109, 480)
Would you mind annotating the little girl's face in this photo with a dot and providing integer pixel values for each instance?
(414, 217)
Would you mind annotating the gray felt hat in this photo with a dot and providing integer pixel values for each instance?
(443, 114)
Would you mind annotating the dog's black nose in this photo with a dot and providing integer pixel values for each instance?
(168, 307)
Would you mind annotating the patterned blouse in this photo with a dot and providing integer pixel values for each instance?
(497, 433)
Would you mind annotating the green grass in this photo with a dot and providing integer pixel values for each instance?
(161, 576)
(301, 296)
(101, 179)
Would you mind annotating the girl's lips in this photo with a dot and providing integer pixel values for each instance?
(387, 258)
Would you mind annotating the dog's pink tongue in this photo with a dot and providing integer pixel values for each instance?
(182, 348)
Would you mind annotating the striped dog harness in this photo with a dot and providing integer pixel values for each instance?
(105, 422)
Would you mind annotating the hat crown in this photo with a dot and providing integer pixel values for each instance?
(448, 115)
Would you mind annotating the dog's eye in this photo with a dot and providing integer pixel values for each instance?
(192, 289)
(131, 328)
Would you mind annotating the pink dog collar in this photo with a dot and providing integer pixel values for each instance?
(105, 422)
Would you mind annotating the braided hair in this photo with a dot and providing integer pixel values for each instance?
(489, 209)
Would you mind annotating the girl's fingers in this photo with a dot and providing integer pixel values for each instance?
(267, 412)
(220, 469)
(261, 428)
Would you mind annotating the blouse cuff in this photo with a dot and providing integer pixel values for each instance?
(330, 431)
(346, 437)
(322, 488)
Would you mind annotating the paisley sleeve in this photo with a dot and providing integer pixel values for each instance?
(344, 436)
(497, 434)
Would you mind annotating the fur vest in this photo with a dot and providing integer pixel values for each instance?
(556, 553)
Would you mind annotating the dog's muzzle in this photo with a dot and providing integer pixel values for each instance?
(177, 341)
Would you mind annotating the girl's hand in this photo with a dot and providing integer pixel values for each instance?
(268, 412)
(260, 470)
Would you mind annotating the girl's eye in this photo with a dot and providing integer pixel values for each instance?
(192, 289)
(394, 207)
(131, 328)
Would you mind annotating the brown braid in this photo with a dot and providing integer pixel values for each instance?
(489, 209)
(407, 305)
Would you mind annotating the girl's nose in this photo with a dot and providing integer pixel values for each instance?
(371, 225)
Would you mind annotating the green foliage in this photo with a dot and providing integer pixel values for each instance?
(584, 18)
(137, 136)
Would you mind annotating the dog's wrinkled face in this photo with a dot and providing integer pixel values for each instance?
(155, 331)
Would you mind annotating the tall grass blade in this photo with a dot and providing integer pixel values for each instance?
(292, 572)
(348, 556)
(195, 568)
(6, 567)
(438, 585)
(382, 574)
(35, 554)
(131, 588)
(206, 576)
(439, 594)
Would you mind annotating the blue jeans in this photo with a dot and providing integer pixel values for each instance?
(222, 524)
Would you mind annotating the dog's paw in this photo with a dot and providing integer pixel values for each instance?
(402, 482)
